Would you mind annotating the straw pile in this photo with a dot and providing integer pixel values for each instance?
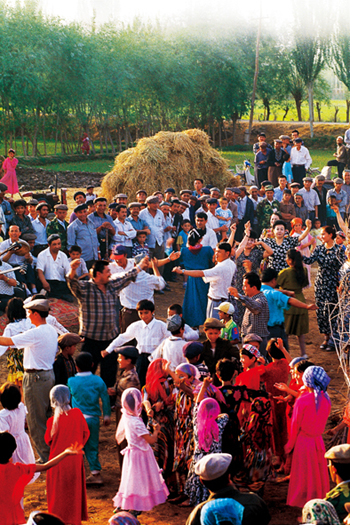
(167, 159)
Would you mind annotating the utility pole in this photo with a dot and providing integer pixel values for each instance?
(256, 73)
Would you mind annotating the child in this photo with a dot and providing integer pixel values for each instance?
(230, 330)
(189, 334)
(75, 253)
(236, 397)
(14, 477)
(21, 219)
(142, 486)
(216, 348)
(87, 389)
(224, 214)
(331, 214)
(171, 348)
(316, 231)
(140, 247)
(181, 240)
(32, 213)
(250, 358)
(67, 425)
(12, 420)
(192, 352)
(340, 239)
(64, 365)
(90, 195)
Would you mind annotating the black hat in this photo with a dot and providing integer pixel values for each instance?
(80, 207)
(130, 352)
(78, 193)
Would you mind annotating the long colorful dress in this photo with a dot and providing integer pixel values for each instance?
(326, 283)
(183, 443)
(10, 177)
(196, 294)
(65, 484)
(296, 320)
(309, 474)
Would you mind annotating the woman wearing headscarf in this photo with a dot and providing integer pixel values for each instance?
(65, 484)
(309, 474)
(222, 510)
(208, 428)
(320, 512)
(196, 257)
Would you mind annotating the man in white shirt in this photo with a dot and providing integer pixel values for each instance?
(219, 278)
(40, 348)
(148, 332)
(142, 288)
(124, 231)
(209, 238)
(311, 198)
(156, 222)
(300, 160)
(52, 267)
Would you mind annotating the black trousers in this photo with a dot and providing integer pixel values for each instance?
(340, 166)
(109, 364)
(299, 173)
(142, 365)
(60, 290)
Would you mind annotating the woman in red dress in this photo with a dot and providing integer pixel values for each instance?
(10, 177)
(65, 484)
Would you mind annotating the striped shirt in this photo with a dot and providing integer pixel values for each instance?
(98, 310)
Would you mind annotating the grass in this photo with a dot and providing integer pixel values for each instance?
(92, 166)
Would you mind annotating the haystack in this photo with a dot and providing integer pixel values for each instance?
(167, 159)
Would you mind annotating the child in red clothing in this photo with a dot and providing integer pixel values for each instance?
(15, 477)
(250, 377)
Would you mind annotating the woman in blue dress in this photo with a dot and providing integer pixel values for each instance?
(196, 257)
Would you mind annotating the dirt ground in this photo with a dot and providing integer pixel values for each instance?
(100, 499)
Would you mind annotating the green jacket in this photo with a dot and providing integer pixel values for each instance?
(264, 210)
(55, 227)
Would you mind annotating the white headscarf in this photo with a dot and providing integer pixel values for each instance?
(60, 402)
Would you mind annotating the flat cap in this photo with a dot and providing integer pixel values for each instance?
(100, 199)
(265, 183)
(295, 185)
(214, 189)
(205, 191)
(80, 207)
(3, 187)
(63, 207)
(236, 190)
(175, 201)
(284, 137)
(135, 205)
(185, 204)
(121, 196)
(69, 339)
(130, 352)
(165, 203)
(226, 307)
(212, 201)
(279, 141)
(211, 322)
(33, 202)
(338, 180)
(308, 179)
(320, 177)
(141, 191)
(152, 199)
(78, 193)
(204, 198)
(192, 349)
(339, 453)
(174, 323)
(269, 188)
(112, 205)
(194, 198)
(42, 305)
(41, 205)
(90, 186)
(298, 141)
(170, 190)
(249, 338)
(185, 191)
(28, 236)
(299, 194)
(213, 466)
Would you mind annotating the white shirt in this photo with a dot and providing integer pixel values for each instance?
(219, 279)
(190, 334)
(311, 199)
(54, 270)
(212, 222)
(210, 239)
(15, 328)
(186, 214)
(300, 157)
(14, 259)
(156, 225)
(171, 350)
(142, 288)
(40, 231)
(40, 347)
(148, 336)
(128, 229)
(6, 289)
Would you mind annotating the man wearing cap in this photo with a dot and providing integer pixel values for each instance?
(214, 471)
(40, 348)
(64, 365)
(156, 223)
(261, 162)
(204, 207)
(82, 232)
(300, 160)
(141, 196)
(52, 267)
(322, 195)
(267, 207)
(341, 157)
(282, 184)
(245, 213)
(339, 468)
(169, 194)
(121, 198)
(185, 195)
(5, 207)
(59, 225)
(277, 157)
(31, 205)
(215, 193)
(310, 197)
(125, 232)
(20, 219)
(287, 209)
(342, 196)
(143, 287)
(217, 277)
(104, 225)
(300, 208)
(40, 224)
(80, 198)
(134, 219)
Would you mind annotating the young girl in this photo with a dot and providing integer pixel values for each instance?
(9, 167)
(306, 244)
(142, 486)
(65, 485)
(208, 428)
(12, 419)
(309, 476)
(18, 323)
(250, 377)
(316, 231)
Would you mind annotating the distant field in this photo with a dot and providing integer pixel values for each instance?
(327, 112)
(92, 166)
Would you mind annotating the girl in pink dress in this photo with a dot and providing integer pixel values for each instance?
(9, 167)
(142, 486)
(309, 474)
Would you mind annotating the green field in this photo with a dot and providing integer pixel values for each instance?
(92, 166)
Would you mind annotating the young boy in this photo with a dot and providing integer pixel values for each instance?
(75, 253)
(140, 247)
(192, 352)
(87, 389)
(32, 213)
(230, 330)
(339, 469)
(189, 334)
(90, 195)
(181, 240)
(216, 348)
(64, 365)
(331, 215)
(224, 214)
(20, 218)
(340, 239)
(171, 348)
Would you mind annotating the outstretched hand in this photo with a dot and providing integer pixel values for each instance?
(75, 449)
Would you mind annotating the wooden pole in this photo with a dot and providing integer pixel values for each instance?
(256, 73)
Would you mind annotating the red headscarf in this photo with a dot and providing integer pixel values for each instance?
(295, 221)
(154, 381)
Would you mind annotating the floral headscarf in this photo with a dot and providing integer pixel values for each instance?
(208, 430)
(320, 512)
(252, 350)
(316, 378)
(123, 518)
(188, 369)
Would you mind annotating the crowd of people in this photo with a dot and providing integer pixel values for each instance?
(210, 404)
